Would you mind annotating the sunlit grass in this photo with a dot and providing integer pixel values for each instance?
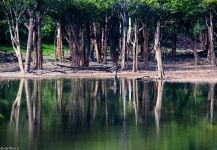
(48, 50)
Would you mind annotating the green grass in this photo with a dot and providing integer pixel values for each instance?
(48, 50)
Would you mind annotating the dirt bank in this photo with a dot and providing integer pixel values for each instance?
(174, 71)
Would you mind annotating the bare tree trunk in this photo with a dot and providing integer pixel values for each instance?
(102, 42)
(30, 41)
(211, 41)
(145, 44)
(59, 48)
(105, 41)
(15, 40)
(135, 47)
(158, 51)
(124, 30)
(35, 47)
(40, 56)
(94, 41)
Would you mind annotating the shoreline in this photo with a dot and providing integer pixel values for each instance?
(170, 76)
(174, 72)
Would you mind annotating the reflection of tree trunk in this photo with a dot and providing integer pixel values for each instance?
(95, 92)
(15, 112)
(157, 109)
(130, 91)
(123, 92)
(29, 106)
(59, 94)
(145, 100)
(135, 98)
(211, 100)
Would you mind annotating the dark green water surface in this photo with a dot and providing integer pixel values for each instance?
(91, 114)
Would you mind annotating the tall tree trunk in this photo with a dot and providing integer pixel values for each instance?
(81, 47)
(94, 41)
(88, 45)
(59, 48)
(124, 30)
(30, 41)
(40, 55)
(145, 44)
(35, 46)
(128, 39)
(13, 18)
(105, 41)
(135, 47)
(158, 51)
(211, 40)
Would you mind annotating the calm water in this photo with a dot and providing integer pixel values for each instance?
(84, 114)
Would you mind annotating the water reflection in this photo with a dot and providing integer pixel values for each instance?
(124, 113)
(157, 109)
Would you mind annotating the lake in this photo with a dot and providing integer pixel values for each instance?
(98, 114)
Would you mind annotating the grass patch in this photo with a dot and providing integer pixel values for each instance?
(48, 50)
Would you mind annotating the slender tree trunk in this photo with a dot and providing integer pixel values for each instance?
(135, 47)
(128, 39)
(13, 18)
(94, 41)
(124, 30)
(59, 48)
(145, 44)
(211, 41)
(158, 51)
(105, 42)
(88, 45)
(40, 55)
(30, 41)
(35, 47)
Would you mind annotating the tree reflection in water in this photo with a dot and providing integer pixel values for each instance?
(82, 104)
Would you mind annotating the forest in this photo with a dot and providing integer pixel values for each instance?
(124, 33)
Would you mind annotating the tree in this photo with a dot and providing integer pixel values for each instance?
(14, 10)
